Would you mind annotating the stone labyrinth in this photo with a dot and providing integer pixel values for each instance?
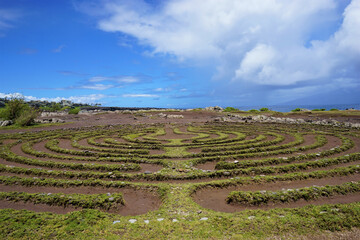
(135, 169)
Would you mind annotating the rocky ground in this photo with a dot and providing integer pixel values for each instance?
(95, 118)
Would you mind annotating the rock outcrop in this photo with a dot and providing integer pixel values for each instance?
(216, 109)
(6, 123)
(49, 120)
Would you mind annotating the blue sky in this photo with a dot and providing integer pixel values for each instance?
(181, 53)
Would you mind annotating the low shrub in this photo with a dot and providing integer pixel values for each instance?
(13, 109)
(27, 117)
(54, 107)
(18, 111)
(74, 110)
(231, 109)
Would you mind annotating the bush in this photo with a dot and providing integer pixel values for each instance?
(2, 113)
(318, 110)
(230, 109)
(253, 111)
(27, 117)
(74, 110)
(17, 110)
(264, 109)
(54, 107)
(334, 109)
(296, 110)
(13, 109)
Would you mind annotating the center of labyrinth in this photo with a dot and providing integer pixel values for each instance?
(180, 172)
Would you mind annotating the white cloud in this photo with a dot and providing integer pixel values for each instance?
(58, 49)
(97, 86)
(11, 95)
(7, 19)
(347, 38)
(258, 61)
(118, 79)
(264, 42)
(167, 89)
(7, 16)
(127, 79)
(92, 98)
(136, 95)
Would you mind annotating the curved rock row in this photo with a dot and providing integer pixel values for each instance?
(331, 143)
(144, 167)
(267, 152)
(137, 201)
(215, 199)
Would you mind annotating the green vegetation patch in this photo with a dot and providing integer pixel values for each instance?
(291, 195)
(102, 201)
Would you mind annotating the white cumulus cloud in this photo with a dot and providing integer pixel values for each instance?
(266, 42)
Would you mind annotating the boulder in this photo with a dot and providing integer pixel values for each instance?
(217, 119)
(57, 120)
(49, 120)
(162, 115)
(175, 116)
(216, 108)
(6, 123)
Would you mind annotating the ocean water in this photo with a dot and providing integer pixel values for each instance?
(288, 108)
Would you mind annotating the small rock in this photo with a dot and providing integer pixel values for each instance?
(204, 219)
(175, 220)
(160, 219)
(132, 220)
(117, 221)
(146, 221)
(251, 217)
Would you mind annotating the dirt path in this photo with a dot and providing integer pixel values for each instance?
(214, 198)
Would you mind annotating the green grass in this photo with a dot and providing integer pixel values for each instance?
(176, 151)
(254, 224)
(37, 125)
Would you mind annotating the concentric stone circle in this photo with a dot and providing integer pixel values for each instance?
(116, 168)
